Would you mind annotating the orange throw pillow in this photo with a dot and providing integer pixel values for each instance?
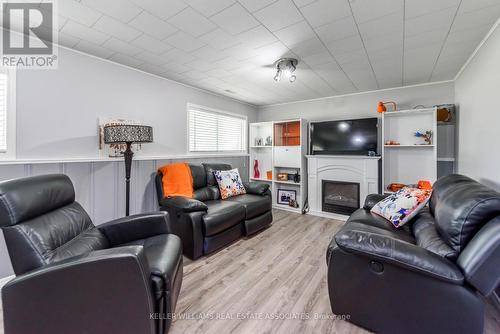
(177, 180)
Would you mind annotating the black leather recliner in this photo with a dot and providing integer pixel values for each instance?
(206, 223)
(72, 277)
(428, 276)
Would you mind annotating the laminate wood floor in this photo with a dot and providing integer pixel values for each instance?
(279, 273)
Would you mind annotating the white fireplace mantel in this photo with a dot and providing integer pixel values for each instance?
(359, 169)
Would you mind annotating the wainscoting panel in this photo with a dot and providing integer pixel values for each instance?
(100, 186)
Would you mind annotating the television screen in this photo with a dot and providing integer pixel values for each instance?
(349, 137)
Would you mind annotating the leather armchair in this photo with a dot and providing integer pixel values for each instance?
(71, 276)
(427, 277)
(206, 223)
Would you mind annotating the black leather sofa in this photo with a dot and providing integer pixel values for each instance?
(206, 223)
(427, 277)
(72, 277)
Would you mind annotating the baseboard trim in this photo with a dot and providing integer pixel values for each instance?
(328, 215)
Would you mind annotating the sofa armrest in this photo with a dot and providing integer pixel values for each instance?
(256, 188)
(88, 291)
(135, 227)
(183, 204)
(397, 252)
(373, 199)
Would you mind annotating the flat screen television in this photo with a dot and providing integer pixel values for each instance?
(347, 137)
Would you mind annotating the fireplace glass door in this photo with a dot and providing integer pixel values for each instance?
(340, 197)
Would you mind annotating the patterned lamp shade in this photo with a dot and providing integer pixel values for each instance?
(114, 134)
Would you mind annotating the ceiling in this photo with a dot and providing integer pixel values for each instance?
(226, 46)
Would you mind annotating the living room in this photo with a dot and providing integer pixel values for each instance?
(187, 166)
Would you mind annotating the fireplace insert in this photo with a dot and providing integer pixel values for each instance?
(340, 197)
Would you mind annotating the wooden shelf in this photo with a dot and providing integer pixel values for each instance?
(260, 180)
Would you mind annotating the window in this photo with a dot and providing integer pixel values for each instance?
(7, 113)
(215, 131)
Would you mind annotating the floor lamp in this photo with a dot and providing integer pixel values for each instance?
(128, 134)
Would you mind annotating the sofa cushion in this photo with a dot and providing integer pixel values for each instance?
(461, 206)
(164, 255)
(209, 171)
(371, 222)
(427, 236)
(230, 183)
(222, 215)
(199, 176)
(254, 205)
(208, 193)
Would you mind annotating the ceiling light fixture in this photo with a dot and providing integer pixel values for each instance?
(286, 67)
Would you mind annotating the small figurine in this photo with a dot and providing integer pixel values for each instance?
(427, 136)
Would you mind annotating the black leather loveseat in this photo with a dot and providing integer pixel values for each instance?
(205, 223)
(123, 276)
(428, 276)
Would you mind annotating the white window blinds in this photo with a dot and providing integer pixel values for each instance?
(3, 111)
(214, 131)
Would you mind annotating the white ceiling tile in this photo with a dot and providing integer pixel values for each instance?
(77, 12)
(234, 19)
(472, 5)
(302, 3)
(79, 30)
(185, 42)
(386, 25)
(164, 9)
(121, 47)
(392, 42)
(345, 45)
(209, 8)
(219, 73)
(339, 29)
(308, 48)
(201, 65)
(196, 75)
(126, 60)
(270, 53)
(366, 10)
(122, 10)
(116, 28)
(295, 33)
(434, 21)
(241, 52)
(318, 59)
(473, 19)
(178, 56)
(363, 79)
(256, 37)
(177, 68)
(424, 39)
(151, 44)
(279, 15)
(151, 68)
(67, 40)
(358, 57)
(152, 26)
(93, 49)
(209, 54)
(414, 8)
(219, 39)
(150, 58)
(254, 5)
(473, 35)
(325, 11)
(192, 22)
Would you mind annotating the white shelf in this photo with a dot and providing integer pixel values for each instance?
(260, 180)
(409, 112)
(288, 182)
(262, 146)
(410, 146)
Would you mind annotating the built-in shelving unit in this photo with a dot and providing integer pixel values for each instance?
(413, 160)
(285, 154)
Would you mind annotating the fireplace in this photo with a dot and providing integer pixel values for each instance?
(340, 197)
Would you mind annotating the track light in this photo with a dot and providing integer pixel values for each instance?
(286, 67)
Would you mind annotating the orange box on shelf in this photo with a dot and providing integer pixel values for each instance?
(269, 175)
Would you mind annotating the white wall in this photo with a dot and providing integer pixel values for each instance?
(359, 105)
(58, 110)
(477, 97)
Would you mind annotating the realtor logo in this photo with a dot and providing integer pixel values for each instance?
(28, 35)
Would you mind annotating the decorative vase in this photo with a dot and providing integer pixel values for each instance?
(256, 173)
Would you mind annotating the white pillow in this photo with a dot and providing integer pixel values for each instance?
(229, 182)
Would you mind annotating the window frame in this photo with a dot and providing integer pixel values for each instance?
(190, 106)
(10, 152)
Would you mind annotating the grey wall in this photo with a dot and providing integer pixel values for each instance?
(57, 119)
(58, 110)
(359, 105)
(477, 97)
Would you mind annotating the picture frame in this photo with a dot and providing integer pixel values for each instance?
(285, 195)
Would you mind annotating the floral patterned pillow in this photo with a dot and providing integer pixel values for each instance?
(229, 182)
(402, 206)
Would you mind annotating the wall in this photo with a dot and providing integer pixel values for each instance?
(359, 105)
(57, 118)
(58, 110)
(476, 94)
